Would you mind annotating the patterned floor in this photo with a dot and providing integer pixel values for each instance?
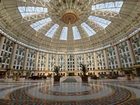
(99, 92)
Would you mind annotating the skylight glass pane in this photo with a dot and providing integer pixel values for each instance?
(52, 31)
(109, 6)
(27, 11)
(64, 33)
(88, 29)
(46, 0)
(76, 33)
(102, 22)
(39, 24)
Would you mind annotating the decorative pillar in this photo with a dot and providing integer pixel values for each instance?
(75, 62)
(85, 59)
(66, 63)
(36, 60)
(95, 60)
(25, 58)
(56, 61)
(130, 48)
(2, 38)
(13, 56)
(117, 56)
(47, 58)
(106, 59)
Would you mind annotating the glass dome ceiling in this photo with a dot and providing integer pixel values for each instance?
(78, 16)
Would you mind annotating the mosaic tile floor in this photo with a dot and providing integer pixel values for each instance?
(96, 92)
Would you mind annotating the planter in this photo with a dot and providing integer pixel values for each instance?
(84, 79)
(128, 77)
(57, 78)
(17, 78)
(133, 76)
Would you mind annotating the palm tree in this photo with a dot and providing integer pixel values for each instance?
(57, 69)
(83, 68)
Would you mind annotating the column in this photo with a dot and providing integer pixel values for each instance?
(2, 38)
(75, 62)
(66, 63)
(106, 59)
(13, 56)
(25, 58)
(36, 60)
(47, 58)
(85, 59)
(117, 56)
(85, 62)
(130, 48)
(56, 61)
(95, 60)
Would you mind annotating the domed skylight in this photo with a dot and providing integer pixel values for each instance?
(51, 17)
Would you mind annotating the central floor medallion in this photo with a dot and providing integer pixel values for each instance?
(71, 87)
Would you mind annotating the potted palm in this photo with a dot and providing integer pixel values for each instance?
(84, 71)
(57, 75)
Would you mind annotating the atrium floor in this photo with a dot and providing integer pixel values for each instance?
(44, 92)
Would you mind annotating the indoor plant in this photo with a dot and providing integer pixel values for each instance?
(84, 70)
(57, 75)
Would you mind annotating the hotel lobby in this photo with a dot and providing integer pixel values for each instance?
(69, 52)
